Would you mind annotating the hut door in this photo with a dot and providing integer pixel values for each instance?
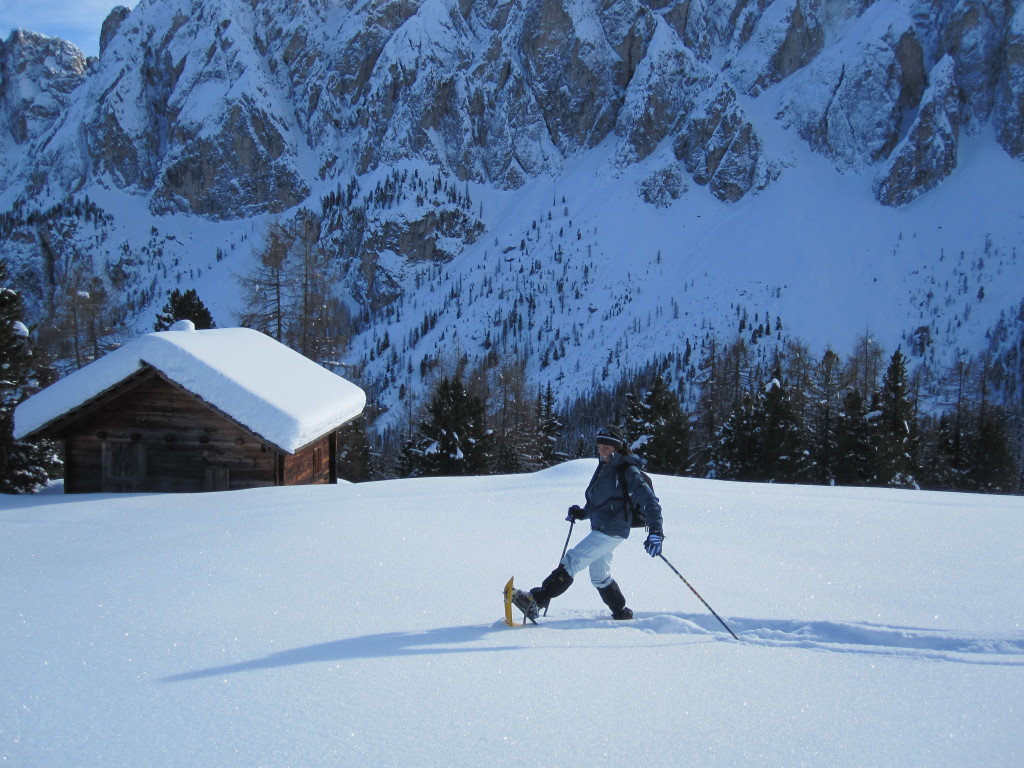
(217, 479)
(124, 466)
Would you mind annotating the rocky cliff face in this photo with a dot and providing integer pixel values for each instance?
(1009, 95)
(38, 76)
(226, 110)
(927, 154)
(894, 93)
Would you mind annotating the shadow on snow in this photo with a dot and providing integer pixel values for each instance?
(383, 645)
(837, 637)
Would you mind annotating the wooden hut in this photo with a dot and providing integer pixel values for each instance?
(186, 410)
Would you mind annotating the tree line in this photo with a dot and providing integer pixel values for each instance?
(793, 420)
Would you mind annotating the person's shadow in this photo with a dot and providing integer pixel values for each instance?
(837, 637)
(386, 644)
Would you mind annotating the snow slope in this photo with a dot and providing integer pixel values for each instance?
(813, 250)
(360, 625)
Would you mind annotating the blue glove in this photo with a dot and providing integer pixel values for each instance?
(653, 543)
(576, 513)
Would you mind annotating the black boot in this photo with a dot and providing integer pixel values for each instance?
(554, 585)
(524, 602)
(615, 600)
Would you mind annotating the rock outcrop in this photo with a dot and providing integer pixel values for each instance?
(927, 154)
(1009, 99)
(38, 74)
(226, 110)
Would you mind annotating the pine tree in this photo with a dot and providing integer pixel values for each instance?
(942, 464)
(455, 439)
(956, 386)
(584, 449)
(311, 330)
(184, 306)
(660, 430)
(823, 413)
(637, 424)
(287, 291)
(24, 466)
(992, 466)
(550, 428)
(711, 405)
(734, 454)
(355, 462)
(855, 452)
(864, 366)
(510, 461)
(992, 469)
(800, 370)
(897, 427)
(781, 456)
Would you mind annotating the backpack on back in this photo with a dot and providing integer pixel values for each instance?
(633, 510)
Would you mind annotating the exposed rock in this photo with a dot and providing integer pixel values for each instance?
(424, 239)
(224, 115)
(38, 74)
(851, 108)
(691, 23)
(928, 153)
(574, 73)
(676, 97)
(176, 110)
(720, 147)
(111, 24)
(241, 169)
(663, 186)
(1009, 105)
(790, 34)
(856, 109)
(973, 38)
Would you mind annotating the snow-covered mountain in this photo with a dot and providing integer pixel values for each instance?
(585, 185)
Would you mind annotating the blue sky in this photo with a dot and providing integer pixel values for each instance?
(78, 21)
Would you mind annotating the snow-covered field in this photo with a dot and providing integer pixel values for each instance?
(361, 625)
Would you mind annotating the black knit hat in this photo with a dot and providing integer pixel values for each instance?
(610, 436)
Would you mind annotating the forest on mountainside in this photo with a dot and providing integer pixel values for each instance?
(761, 408)
(801, 419)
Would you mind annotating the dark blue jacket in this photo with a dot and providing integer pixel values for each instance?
(606, 500)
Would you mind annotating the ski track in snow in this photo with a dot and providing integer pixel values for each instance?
(891, 640)
(839, 637)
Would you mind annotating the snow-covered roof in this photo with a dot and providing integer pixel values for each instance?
(266, 387)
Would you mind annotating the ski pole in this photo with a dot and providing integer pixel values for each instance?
(677, 573)
(565, 549)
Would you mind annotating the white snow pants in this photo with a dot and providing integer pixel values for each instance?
(596, 551)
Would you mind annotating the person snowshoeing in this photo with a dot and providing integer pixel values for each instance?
(607, 508)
